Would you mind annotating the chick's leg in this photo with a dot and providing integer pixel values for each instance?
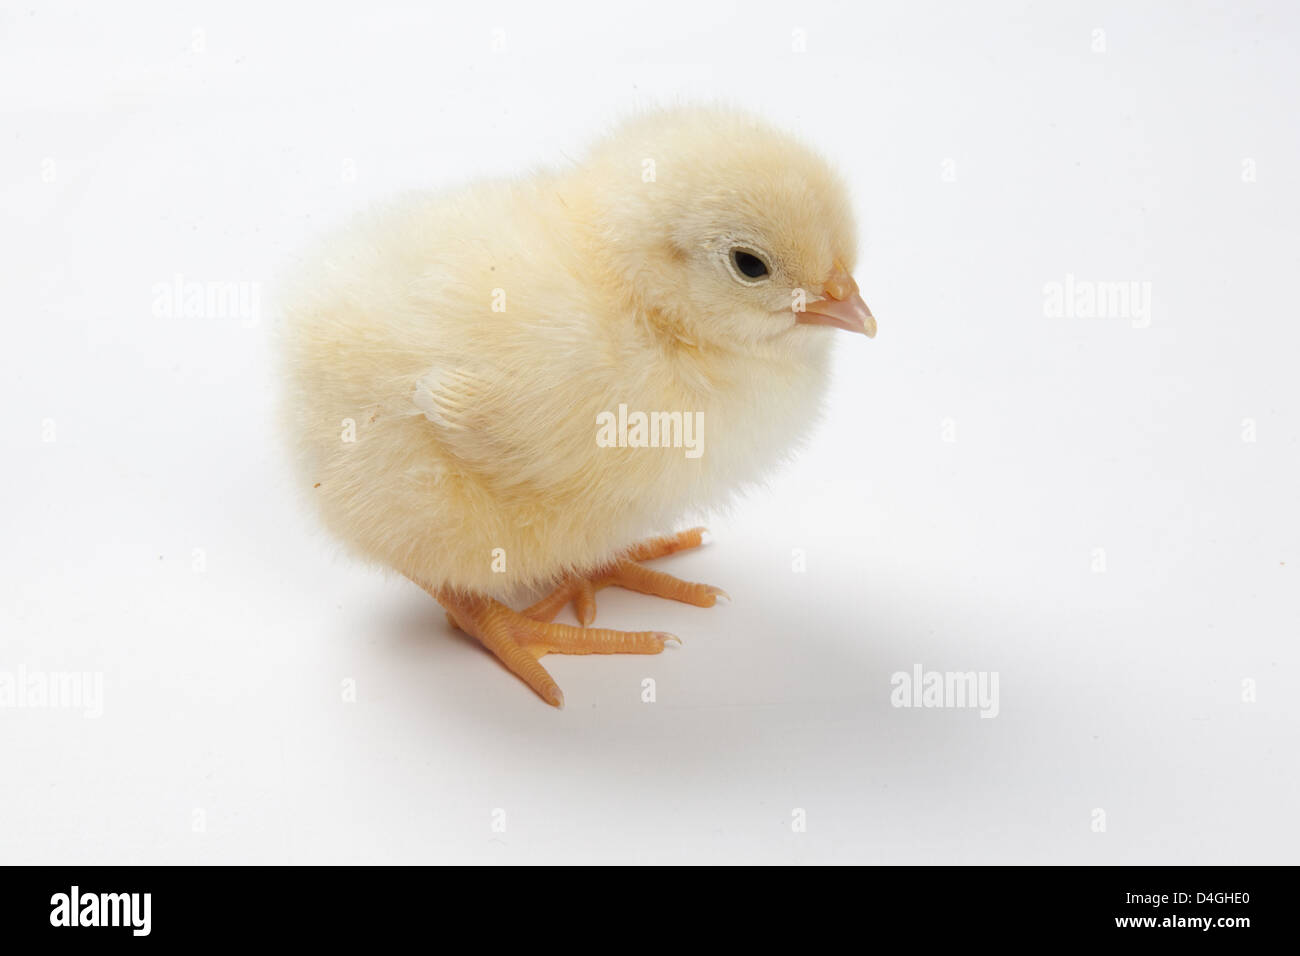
(628, 573)
(519, 641)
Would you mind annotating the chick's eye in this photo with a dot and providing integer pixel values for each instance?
(748, 264)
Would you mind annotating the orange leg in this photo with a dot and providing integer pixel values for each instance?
(627, 573)
(519, 641)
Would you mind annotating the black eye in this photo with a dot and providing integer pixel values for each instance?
(748, 264)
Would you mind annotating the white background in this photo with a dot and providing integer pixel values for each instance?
(134, 149)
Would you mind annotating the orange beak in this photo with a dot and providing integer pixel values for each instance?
(842, 308)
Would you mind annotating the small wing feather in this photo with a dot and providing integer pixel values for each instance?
(445, 396)
(509, 433)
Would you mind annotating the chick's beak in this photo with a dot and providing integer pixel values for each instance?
(842, 308)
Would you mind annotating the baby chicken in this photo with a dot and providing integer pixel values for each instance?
(512, 384)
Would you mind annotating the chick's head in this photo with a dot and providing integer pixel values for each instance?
(734, 232)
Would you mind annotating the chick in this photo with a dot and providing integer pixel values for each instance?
(471, 372)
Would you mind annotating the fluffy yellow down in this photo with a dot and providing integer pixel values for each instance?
(474, 338)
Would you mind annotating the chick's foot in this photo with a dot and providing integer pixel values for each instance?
(519, 641)
(628, 573)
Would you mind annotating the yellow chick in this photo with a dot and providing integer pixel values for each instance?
(513, 384)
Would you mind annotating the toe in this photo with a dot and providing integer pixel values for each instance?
(584, 602)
